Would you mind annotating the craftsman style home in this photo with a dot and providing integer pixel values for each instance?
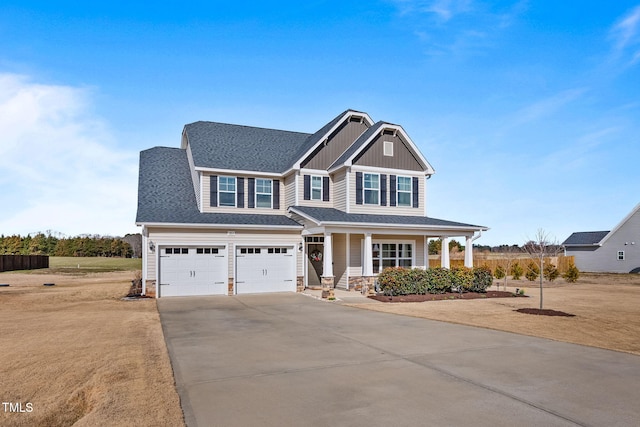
(615, 251)
(239, 209)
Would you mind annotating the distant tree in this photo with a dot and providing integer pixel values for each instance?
(435, 245)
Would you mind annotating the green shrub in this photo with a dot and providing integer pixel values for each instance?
(394, 281)
(482, 279)
(532, 271)
(550, 272)
(499, 272)
(439, 280)
(516, 271)
(461, 278)
(572, 274)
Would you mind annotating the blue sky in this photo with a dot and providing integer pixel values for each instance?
(528, 110)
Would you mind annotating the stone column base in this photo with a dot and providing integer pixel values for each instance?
(363, 283)
(299, 283)
(150, 288)
(230, 286)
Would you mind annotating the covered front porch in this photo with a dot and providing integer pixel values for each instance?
(348, 251)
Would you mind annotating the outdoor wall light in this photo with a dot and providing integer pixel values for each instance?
(152, 246)
(299, 247)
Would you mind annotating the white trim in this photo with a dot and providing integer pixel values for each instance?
(344, 117)
(255, 194)
(320, 199)
(239, 172)
(201, 177)
(388, 171)
(347, 177)
(306, 171)
(296, 181)
(348, 255)
(364, 190)
(235, 192)
(387, 148)
(217, 226)
(145, 250)
(410, 205)
(397, 242)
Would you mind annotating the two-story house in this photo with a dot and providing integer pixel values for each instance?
(239, 209)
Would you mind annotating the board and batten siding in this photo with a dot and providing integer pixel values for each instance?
(206, 197)
(403, 157)
(387, 210)
(336, 144)
(605, 258)
(163, 237)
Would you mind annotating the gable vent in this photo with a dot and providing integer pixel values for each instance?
(388, 148)
(358, 119)
(388, 132)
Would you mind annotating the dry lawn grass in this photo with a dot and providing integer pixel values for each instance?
(606, 308)
(81, 355)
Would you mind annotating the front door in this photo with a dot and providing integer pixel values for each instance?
(315, 252)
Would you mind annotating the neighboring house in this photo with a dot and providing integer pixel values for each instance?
(615, 251)
(239, 209)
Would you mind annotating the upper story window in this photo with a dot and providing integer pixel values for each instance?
(403, 190)
(227, 191)
(371, 189)
(264, 193)
(316, 188)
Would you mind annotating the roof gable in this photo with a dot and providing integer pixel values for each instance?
(314, 141)
(634, 211)
(369, 137)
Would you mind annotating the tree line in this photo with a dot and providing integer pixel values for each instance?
(54, 244)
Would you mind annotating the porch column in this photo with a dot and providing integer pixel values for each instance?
(327, 258)
(468, 252)
(367, 267)
(445, 253)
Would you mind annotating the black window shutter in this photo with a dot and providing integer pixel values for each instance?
(240, 192)
(358, 188)
(307, 187)
(251, 201)
(415, 192)
(276, 194)
(393, 187)
(383, 190)
(213, 194)
(325, 188)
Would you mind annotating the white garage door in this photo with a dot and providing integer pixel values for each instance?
(193, 271)
(265, 269)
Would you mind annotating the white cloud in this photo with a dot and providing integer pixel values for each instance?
(442, 9)
(60, 168)
(546, 107)
(625, 35)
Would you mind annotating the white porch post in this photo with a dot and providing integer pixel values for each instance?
(468, 252)
(445, 253)
(367, 267)
(327, 259)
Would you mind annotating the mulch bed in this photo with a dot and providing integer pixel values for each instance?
(445, 296)
(544, 312)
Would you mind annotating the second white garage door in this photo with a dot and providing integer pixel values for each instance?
(265, 269)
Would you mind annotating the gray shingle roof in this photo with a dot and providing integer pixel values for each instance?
(226, 146)
(166, 195)
(585, 238)
(334, 215)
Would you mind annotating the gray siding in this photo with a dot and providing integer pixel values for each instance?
(605, 258)
(289, 190)
(337, 143)
(316, 203)
(387, 210)
(340, 190)
(340, 260)
(402, 158)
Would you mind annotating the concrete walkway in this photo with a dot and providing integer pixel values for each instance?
(292, 360)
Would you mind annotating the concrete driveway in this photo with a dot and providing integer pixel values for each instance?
(291, 360)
